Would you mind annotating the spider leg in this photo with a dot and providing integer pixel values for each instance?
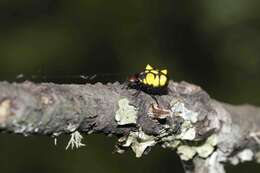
(137, 93)
(154, 97)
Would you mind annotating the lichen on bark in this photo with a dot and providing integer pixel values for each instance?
(203, 131)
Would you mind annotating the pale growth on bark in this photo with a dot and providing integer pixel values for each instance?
(257, 157)
(188, 134)
(213, 163)
(126, 114)
(72, 127)
(186, 152)
(243, 156)
(180, 110)
(75, 140)
(5, 107)
(138, 141)
(205, 150)
(170, 142)
(206, 132)
(55, 141)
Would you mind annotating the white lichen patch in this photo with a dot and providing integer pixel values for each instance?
(257, 157)
(55, 137)
(206, 149)
(19, 129)
(214, 163)
(138, 141)
(212, 140)
(171, 144)
(72, 127)
(179, 109)
(5, 107)
(203, 151)
(126, 114)
(187, 134)
(75, 140)
(55, 141)
(186, 152)
(245, 155)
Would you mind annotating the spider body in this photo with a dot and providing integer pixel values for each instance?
(151, 80)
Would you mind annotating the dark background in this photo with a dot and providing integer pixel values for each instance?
(215, 44)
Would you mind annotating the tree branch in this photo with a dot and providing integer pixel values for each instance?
(204, 132)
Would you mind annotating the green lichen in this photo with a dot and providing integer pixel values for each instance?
(203, 151)
(212, 140)
(257, 157)
(188, 132)
(138, 141)
(126, 114)
(186, 152)
(171, 144)
(207, 148)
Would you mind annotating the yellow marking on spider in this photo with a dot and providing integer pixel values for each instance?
(163, 80)
(149, 78)
(164, 71)
(156, 81)
(154, 71)
(148, 67)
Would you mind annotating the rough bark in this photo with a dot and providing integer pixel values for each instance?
(51, 109)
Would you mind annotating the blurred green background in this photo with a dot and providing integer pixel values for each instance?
(215, 44)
